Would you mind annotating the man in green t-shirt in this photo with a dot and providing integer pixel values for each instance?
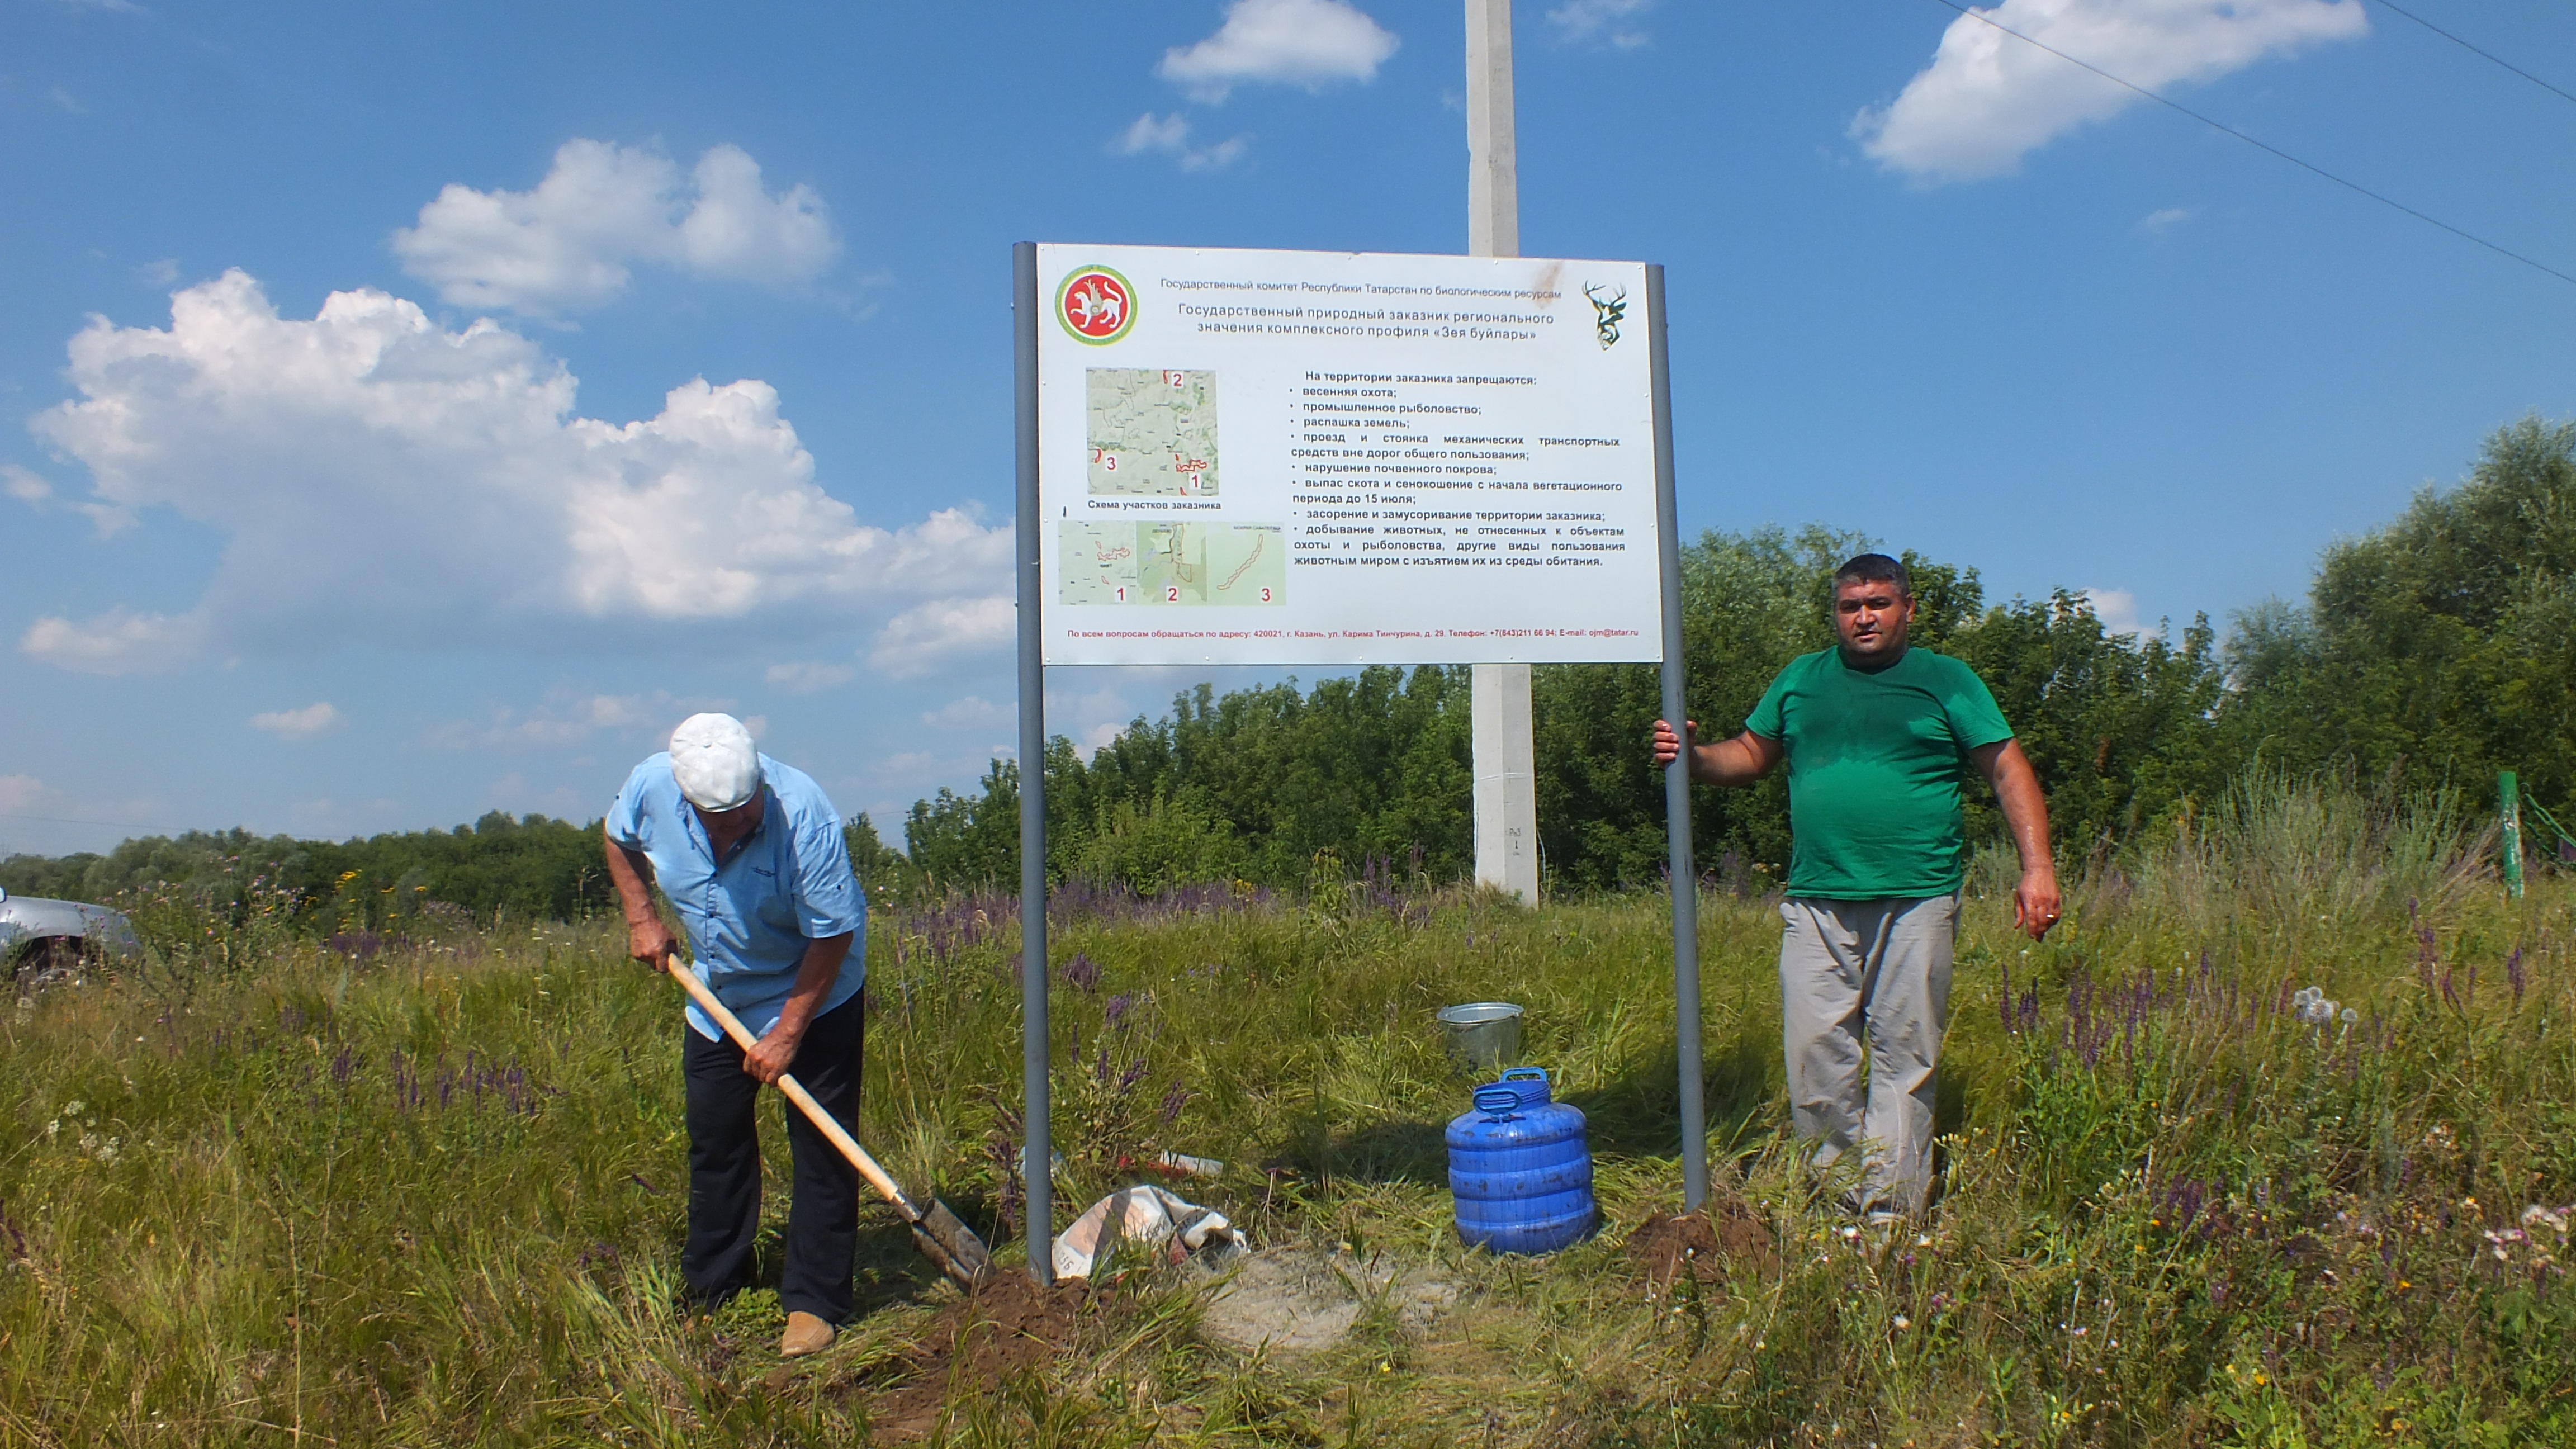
(1875, 734)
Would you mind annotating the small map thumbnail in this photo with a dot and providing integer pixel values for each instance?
(1173, 562)
(1151, 433)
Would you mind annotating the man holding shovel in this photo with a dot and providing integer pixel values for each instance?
(1875, 734)
(751, 854)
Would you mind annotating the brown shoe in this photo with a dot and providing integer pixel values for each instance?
(805, 1334)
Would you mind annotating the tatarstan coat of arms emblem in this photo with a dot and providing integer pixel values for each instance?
(1096, 305)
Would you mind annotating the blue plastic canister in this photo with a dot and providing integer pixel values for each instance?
(1518, 1169)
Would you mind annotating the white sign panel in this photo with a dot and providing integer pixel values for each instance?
(1257, 457)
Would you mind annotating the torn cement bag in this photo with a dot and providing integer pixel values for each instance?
(1148, 1216)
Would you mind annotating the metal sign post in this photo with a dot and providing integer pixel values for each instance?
(1038, 1155)
(1677, 816)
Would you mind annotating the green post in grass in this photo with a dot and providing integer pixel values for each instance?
(2509, 817)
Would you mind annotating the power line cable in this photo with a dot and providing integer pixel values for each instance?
(2308, 166)
(111, 824)
(2474, 50)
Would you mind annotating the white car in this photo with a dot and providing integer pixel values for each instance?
(41, 939)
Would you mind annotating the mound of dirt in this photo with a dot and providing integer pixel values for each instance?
(1722, 1238)
(1007, 1326)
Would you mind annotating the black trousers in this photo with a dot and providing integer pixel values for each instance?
(724, 1169)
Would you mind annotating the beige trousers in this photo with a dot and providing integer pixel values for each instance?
(1874, 975)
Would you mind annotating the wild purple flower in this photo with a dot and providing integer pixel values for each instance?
(1173, 1101)
(342, 1065)
(1135, 1073)
(1117, 1009)
(1082, 973)
(2513, 975)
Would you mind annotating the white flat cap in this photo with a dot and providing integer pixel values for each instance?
(713, 759)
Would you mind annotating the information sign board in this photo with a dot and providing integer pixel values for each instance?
(1274, 457)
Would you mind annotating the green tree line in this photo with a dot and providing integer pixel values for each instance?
(2434, 650)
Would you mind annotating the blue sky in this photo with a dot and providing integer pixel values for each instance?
(670, 367)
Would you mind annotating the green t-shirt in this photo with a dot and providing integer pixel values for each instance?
(1874, 765)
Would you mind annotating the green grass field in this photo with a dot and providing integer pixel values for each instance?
(258, 1193)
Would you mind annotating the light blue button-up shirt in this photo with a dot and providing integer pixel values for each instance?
(749, 916)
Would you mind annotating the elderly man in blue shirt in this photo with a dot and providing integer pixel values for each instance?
(750, 853)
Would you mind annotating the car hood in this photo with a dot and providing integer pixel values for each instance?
(31, 917)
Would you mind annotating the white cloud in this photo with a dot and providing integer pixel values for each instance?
(160, 273)
(1170, 136)
(37, 492)
(120, 641)
(808, 677)
(1309, 43)
(32, 489)
(2117, 609)
(568, 244)
(32, 798)
(931, 638)
(17, 792)
(1600, 22)
(380, 479)
(2159, 222)
(296, 724)
(1988, 99)
(67, 101)
(970, 712)
(569, 716)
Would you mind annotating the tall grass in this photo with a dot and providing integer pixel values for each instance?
(264, 1191)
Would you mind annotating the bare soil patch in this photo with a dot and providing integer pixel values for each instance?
(1301, 1300)
(1709, 1244)
(1009, 1325)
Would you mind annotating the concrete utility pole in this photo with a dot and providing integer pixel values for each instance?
(1499, 717)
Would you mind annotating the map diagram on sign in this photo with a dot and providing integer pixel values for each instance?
(1152, 432)
(1173, 562)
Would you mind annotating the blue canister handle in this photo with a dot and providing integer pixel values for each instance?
(1497, 1102)
(1528, 1074)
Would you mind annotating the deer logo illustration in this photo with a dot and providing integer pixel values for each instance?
(1608, 311)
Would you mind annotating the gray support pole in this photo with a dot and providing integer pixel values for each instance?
(1493, 156)
(1039, 1152)
(1504, 757)
(1677, 818)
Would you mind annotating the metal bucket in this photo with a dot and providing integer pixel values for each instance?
(1485, 1036)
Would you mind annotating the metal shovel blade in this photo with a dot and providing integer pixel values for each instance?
(946, 1240)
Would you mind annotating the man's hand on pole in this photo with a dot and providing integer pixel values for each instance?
(1668, 746)
(1737, 762)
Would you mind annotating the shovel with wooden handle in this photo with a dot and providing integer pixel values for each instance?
(941, 1235)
